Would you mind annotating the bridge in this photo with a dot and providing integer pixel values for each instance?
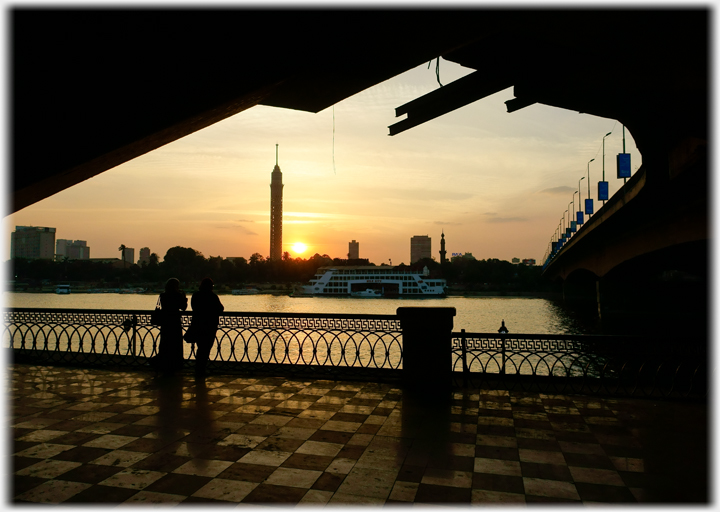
(645, 252)
(114, 84)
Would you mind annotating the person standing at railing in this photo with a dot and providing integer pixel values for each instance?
(170, 352)
(206, 309)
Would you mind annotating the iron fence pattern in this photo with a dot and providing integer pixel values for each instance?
(128, 337)
(614, 365)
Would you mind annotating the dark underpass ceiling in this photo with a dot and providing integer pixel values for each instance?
(93, 89)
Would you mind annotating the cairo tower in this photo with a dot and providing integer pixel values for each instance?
(276, 201)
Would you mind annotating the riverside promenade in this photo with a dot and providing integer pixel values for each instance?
(110, 437)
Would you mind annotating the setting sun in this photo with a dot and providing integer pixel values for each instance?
(299, 247)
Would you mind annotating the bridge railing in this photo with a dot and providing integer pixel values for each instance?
(612, 365)
(372, 346)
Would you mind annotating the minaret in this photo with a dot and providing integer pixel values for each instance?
(442, 248)
(276, 200)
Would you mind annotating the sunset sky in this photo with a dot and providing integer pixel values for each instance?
(496, 183)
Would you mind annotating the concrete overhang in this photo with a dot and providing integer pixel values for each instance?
(93, 88)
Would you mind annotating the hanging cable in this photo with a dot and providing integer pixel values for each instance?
(437, 70)
(333, 148)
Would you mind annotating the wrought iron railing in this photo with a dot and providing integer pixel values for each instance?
(371, 342)
(614, 365)
(368, 346)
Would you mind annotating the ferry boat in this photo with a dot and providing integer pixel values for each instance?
(62, 289)
(385, 280)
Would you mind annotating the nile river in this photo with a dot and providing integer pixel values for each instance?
(522, 315)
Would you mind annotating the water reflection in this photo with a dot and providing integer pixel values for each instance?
(526, 315)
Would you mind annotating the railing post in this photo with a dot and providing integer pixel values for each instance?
(427, 346)
(464, 350)
(502, 370)
(463, 345)
(134, 337)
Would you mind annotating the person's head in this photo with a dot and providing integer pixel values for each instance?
(206, 285)
(172, 285)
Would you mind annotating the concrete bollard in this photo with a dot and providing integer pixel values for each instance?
(427, 355)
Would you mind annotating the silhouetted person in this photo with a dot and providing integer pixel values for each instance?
(206, 309)
(170, 350)
(503, 329)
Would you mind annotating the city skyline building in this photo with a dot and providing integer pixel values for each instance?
(420, 247)
(276, 206)
(32, 242)
(144, 256)
(72, 249)
(443, 252)
(129, 255)
(353, 250)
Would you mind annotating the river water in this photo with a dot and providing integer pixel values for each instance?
(522, 315)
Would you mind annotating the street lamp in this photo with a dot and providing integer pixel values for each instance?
(567, 229)
(588, 201)
(604, 160)
(580, 219)
(573, 224)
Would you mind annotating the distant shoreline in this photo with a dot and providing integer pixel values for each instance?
(489, 294)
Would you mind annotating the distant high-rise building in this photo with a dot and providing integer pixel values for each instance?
(129, 255)
(420, 247)
(144, 256)
(72, 250)
(276, 200)
(32, 242)
(443, 252)
(354, 250)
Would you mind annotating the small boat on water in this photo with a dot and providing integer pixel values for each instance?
(368, 293)
(62, 289)
(246, 291)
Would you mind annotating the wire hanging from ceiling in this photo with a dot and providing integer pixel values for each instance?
(437, 70)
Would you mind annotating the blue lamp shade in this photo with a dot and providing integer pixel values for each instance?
(589, 206)
(602, 190)
(623, 165)
(580, 219)
(573, 226)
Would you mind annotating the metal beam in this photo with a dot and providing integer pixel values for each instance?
(456, 94)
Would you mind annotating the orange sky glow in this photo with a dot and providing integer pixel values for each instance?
(495, 183)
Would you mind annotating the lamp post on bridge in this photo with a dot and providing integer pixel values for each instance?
(589, 201)
(580, 219)
(603, 176)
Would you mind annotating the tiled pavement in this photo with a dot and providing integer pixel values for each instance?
(99, 436)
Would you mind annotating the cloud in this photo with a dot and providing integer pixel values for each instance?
(558, 190)
(506, 219)
(245, 220)
(242, 229)
(441, 223)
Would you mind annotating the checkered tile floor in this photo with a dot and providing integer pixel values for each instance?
(98, 436)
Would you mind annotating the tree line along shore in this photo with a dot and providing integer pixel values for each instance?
(464, 276)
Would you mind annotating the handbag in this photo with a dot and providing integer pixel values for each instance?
(156, 317)
(190, 334)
